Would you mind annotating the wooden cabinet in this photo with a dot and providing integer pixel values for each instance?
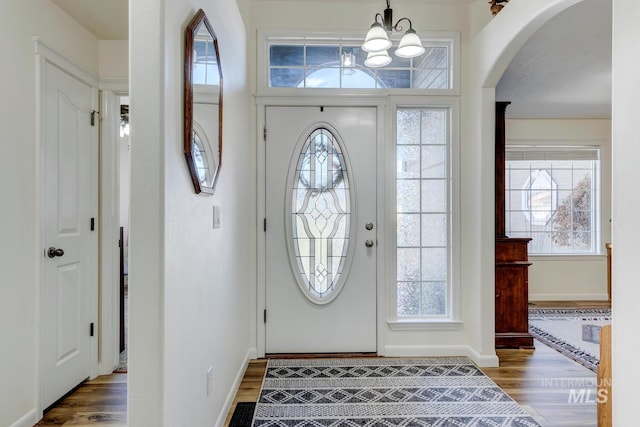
(512, 261)
(512, 293)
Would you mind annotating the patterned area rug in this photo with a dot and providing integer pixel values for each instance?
(574, 332)
(383, 392)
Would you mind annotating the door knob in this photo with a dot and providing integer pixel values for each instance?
(369, 226)
(53, 252)
(368, 243)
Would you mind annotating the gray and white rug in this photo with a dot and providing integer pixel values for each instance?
(574, 332)
(383, 392)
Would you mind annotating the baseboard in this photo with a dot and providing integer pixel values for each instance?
(27, 420)
(485, 361)
(251, 354)
(568, 297)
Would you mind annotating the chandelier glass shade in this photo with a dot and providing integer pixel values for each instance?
(377, 40)
(377, 59)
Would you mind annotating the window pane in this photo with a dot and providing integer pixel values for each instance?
(434, 161)
(408, 159)
(434, 57)
(394, 78)
(433, 298)
(434, 196)
(408, 298)
(323, 78)
(431, 79)
(434, 264)
(323, 55)
(408, 264)
(434, 230)
(408, 196)
(434, 126)
(286, 77)
(408, 126)
(286, 55)
(408, 230)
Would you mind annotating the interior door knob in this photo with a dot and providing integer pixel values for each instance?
(53, 252)
(369, 226)
(368, 243)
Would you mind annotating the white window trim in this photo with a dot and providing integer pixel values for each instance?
(453, 321)
(576, 144)
(264, 37)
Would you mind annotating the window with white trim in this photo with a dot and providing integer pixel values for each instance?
(424, 212)
(553, 196)
(325, 63)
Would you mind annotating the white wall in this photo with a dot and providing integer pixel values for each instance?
(190, 305)
(626, 203)
(570, 277)
(114, 60)
(20, 253)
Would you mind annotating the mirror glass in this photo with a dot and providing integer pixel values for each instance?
(203, 104)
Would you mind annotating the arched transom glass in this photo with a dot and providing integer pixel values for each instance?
(320, 215)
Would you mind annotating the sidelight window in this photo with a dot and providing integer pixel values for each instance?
(424, 212)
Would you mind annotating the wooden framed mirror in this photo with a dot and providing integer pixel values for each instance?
(202, 104)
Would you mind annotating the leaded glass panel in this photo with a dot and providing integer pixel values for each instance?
(320, 215)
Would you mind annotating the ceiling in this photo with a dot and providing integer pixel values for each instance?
(562, 71)
(106, 19)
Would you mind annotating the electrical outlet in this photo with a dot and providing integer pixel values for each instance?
(209, 380)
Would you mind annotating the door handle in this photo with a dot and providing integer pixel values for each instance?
(53, 252)
(368, 243)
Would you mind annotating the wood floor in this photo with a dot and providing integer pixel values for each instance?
(541, 380)
(99, 402)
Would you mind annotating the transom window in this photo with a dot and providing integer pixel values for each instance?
(316, 63)
(424, 212)
(553, 196)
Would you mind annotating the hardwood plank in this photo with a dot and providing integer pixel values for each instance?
(98, 402)
(540, 380)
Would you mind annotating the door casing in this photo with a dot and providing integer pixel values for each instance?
(381, 105)
(45, 54)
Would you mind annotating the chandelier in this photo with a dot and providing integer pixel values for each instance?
(377, 41)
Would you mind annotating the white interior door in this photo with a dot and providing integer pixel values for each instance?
(321, 229)
(69, 275)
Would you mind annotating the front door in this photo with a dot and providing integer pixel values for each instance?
(69, 278)
(321, 229)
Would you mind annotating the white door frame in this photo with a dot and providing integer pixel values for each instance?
(109, 225)
(381, 104)
(45, 55)
(106, 206)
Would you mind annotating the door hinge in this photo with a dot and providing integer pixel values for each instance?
(264, 224)
(265, 315)
(93, 224)
(91, 329)
(264, 133)
(93, 117)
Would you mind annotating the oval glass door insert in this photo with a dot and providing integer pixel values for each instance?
(320, 223)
